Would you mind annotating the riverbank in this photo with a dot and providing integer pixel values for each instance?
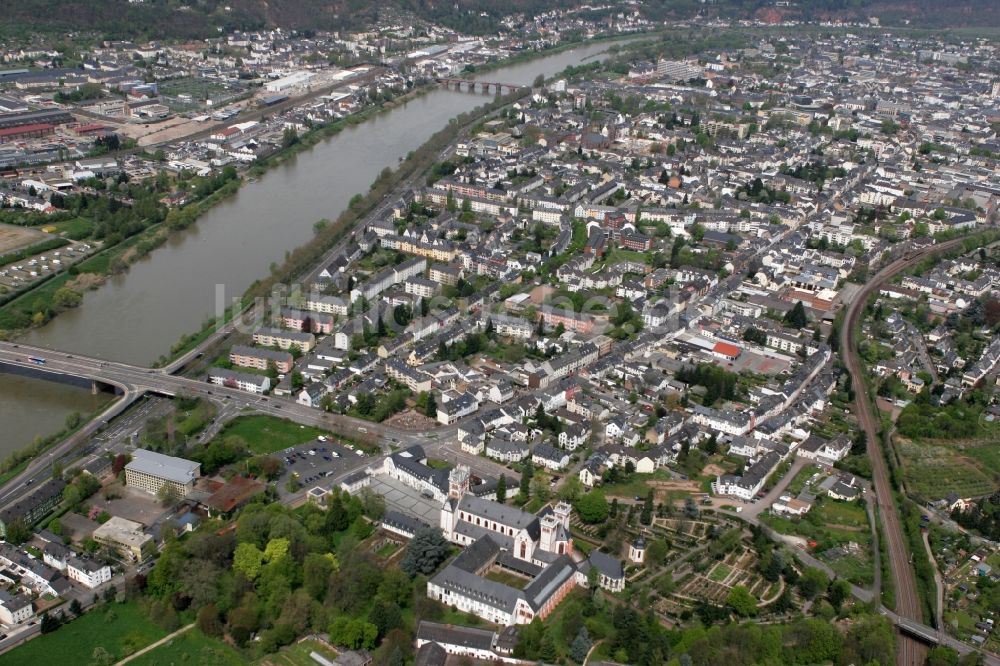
(304, 258)
(37, 304)
(176, 290)
(417, 162)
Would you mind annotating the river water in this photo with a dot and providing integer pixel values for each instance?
(136, 317)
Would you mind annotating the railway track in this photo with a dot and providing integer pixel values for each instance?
(911, 651)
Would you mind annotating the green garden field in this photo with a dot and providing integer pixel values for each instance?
(114, 629)
(191, 647)
(268, 434)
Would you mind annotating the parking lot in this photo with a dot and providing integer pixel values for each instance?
(405, 499)
(316, 462)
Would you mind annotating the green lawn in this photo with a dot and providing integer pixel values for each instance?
(988, 455)
(719, 573)
(118, 629)
(618, 254)
(829, 523)
(933, 471)
(635, 486)
(267, 434)
(796, 485)
(507, 578)
(832, 523)
(388, 550)
(191, 647)
(76, 228)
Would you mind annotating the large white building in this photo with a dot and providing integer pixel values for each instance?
(151, 471)
(89, 573)
(293, 80)
(15, 609)
(747, 486)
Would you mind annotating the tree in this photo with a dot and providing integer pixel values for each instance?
(373, 503)
(838, 592)
(385, 617)
(592, 507)
(208, 620)
(754, 334)
(502, 488)
(571, 489)
(167, 495)
(646, 517)
(942, 656)
(741, 601)
(244, 620)
(547, 648)
(100, 656)
(49, 623)
(796, 317)
(118, 465)
(580, 646)
(66, 298)
(426, 551)
(248, 560)
(712, 445)
(337, 519)
(353, 633)
(524, 491)
(430, 408)
(75, 607)
(813, 583)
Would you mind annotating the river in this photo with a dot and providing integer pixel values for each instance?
(137, 316)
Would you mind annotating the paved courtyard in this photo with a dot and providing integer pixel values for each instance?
(406, 500)
(133, 504)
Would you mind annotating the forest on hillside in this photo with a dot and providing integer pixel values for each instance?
(188, 19)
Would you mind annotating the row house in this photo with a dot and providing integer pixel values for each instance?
(437, 250)
(452, 408)
(509, 327)
(260, 359)
(725, 421)
(333, 305)
(507, 450)
(446, 274)
(276, 337)
(416, 380)
(258, 384)
(571, 321)
(747, 486)
(306, 320)
(388, 277)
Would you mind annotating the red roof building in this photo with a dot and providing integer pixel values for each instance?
(726, 350)
(26, 132)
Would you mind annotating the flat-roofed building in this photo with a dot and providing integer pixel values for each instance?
(150, 471)
(127, 537)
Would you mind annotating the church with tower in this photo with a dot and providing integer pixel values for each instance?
(466, 518)
(535, 547)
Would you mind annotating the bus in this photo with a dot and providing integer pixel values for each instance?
(36, 360)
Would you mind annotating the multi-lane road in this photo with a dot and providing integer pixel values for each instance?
(135, 381)
(908, 606)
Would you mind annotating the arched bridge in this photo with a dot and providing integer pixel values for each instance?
(484, 87)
